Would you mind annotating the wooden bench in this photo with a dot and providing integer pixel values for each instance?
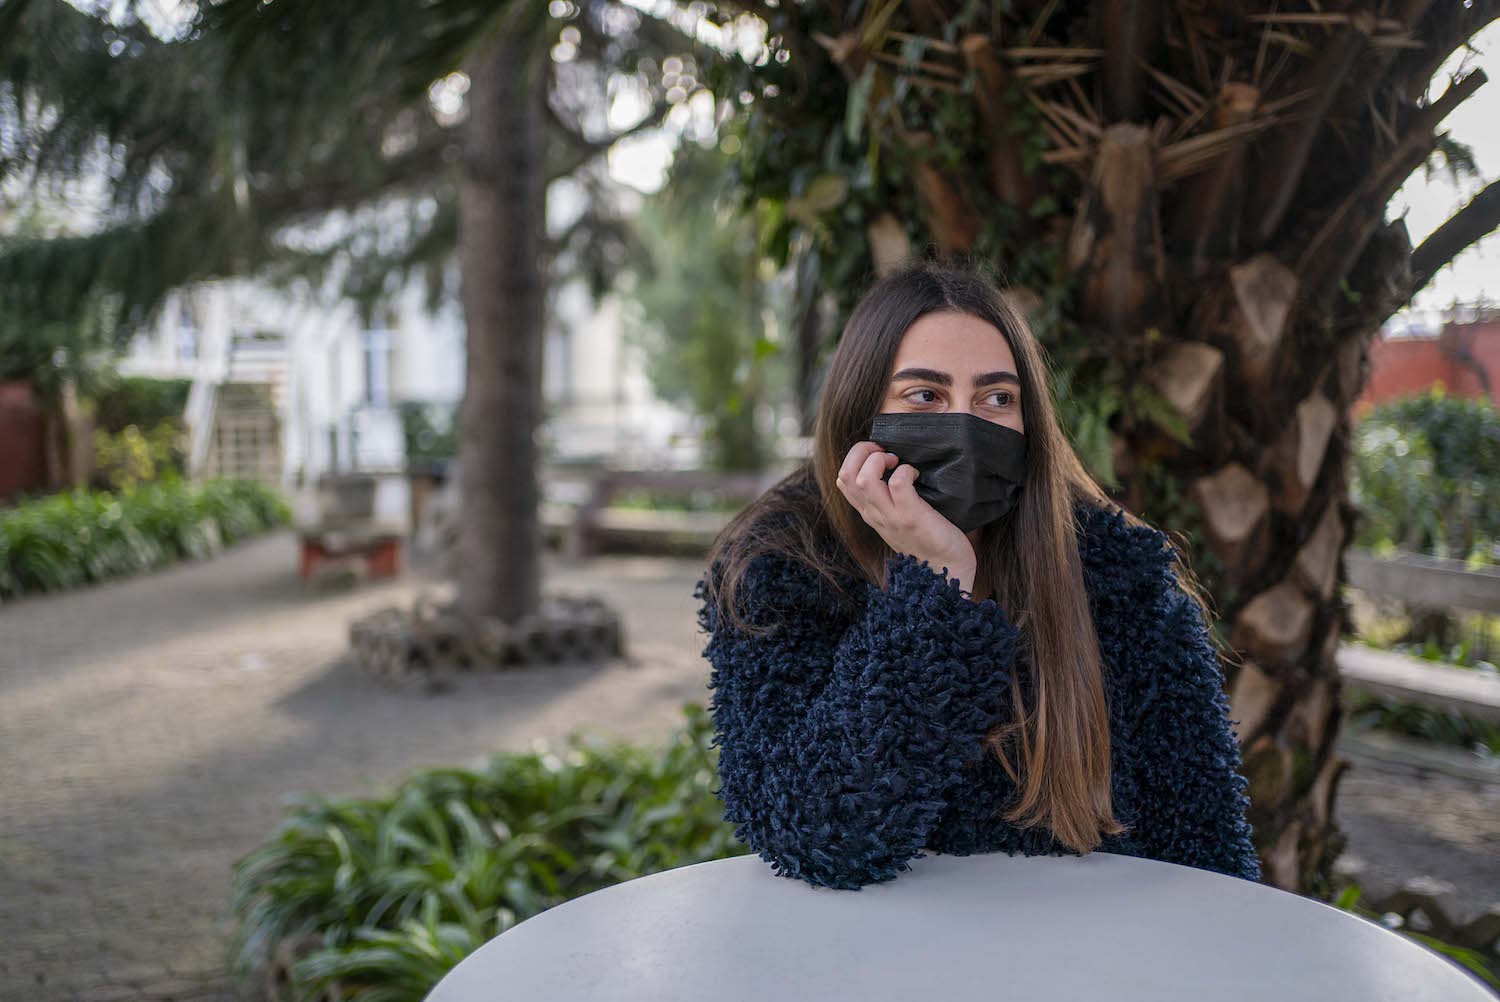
(585, 526)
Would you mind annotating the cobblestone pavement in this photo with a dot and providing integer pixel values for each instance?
(151, 729)
(1406, 822)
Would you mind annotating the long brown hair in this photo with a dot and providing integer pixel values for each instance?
(1056, 746)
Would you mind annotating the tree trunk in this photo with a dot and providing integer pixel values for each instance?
(502, 196)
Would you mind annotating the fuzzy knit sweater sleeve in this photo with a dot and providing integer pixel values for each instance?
(1192, 802)
(841, 733)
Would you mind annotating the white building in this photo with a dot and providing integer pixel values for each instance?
(286, 388)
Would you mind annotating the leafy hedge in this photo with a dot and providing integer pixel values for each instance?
(79, 537)
(141, 401)
(374, 900)
(1427, 476)
(640, 499)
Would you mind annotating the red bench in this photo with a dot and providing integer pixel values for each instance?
(368, 551)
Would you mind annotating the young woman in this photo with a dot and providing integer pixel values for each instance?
(941, 635)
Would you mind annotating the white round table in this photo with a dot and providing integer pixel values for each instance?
(953, 928)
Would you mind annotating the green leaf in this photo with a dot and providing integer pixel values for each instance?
(1044, 206)
(856, 106)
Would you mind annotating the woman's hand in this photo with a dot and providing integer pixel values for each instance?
(897, 512)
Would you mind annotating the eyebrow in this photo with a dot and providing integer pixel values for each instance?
(943, 379)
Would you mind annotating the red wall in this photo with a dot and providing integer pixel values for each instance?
(1402, 366)
(23, 464)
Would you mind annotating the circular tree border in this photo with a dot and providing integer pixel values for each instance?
(433, 637)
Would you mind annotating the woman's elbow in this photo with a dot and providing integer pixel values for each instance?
(832, 869)
(824, 858)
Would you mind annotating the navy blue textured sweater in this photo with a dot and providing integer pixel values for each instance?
(850, 739)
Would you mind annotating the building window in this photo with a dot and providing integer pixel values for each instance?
(378, 348)
(187, 333)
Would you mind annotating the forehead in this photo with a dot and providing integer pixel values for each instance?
(955, 343)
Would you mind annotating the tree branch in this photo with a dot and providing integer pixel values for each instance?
(585, 149)
(428, 158)
(1335, 248)
(1445, 27)
(1469, 225)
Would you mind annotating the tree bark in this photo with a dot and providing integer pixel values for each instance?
(1131, 30)
(502, 194)
(1206, 218)
(1008, 178)
(1116, 239)
(1287, 156)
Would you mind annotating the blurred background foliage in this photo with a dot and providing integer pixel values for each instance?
(81, 537)
(429, 432)
(1427, 477)
(707, 313)
(121, 401)
(130, 457)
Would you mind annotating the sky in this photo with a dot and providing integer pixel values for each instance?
(1424, 202)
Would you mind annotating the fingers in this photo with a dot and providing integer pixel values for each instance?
(906, 503)
(856, 458)
(869, 493)
(863, 484)
(871, 475)
(901, 481)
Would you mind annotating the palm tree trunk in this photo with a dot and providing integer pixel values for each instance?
(502, 196)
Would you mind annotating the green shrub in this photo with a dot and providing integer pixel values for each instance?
(430, 432)
(140, 401)
(696, 501)
(81, 536)
(1447, 728)
(1427, 476)
(379, 898)
(130, 457)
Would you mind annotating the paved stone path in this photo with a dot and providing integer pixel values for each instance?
(151, 729)
(1407, 821)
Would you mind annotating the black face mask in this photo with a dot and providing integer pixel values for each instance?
(971, 470)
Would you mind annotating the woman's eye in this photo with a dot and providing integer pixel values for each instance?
(916, 396)
(1002, 398)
